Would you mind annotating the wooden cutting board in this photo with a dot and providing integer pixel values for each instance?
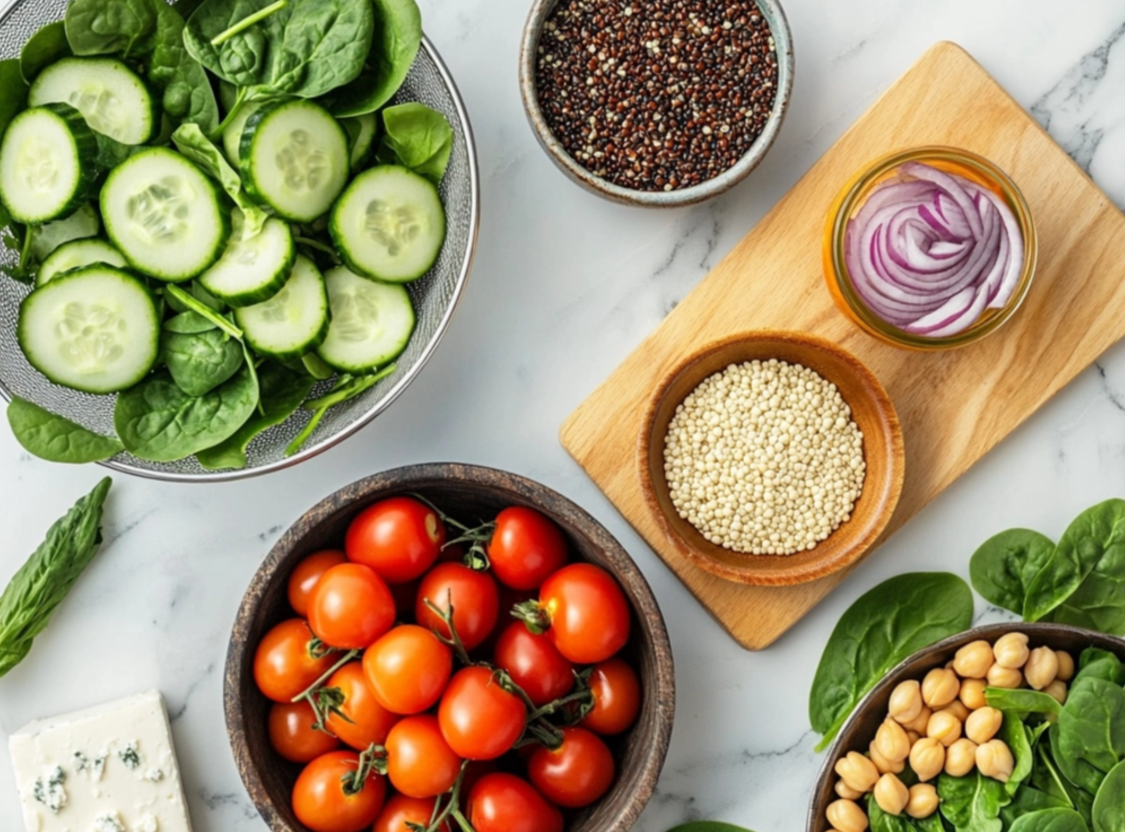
(954, 406)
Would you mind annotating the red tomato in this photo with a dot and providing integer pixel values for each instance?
(361, 721)
(534, 663)
(420, 762)
(399, 538)
(292, 734)
(284, 666)
(475, 599)
(405, 595)
(506, 803)
(401, 810)
(306, 575)
(525, 548)
(575, 774)
(351, 607)
(325, 797)
(587, 611)
(408, 669)
(617, 697)
(479, 719)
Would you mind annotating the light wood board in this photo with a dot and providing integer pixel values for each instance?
(954, 406)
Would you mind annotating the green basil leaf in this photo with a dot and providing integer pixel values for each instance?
(708, 826)
(1109, 804)
(45, 47)
(397, 39)
(972, 803)
(418, 138)
(1091, 733)
(1004, 566)
(191, 142)
(125, 27)
(186, 92)
(55, 438)
(199, 363)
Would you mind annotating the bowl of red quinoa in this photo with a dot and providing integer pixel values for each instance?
(656, 103)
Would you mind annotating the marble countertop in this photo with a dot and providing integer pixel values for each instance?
(564, 286)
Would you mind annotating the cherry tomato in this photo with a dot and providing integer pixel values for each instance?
(617, 697)
(420, 762)
(479, 719)
(325, 797)
(284, 665)
(306, 575)
(475, 599)
(525, 548)
(399, 538)
(360, 721)
(351, 607)
(587, 611)
(401, 810)
(575, 774)
(292, 734)
(407, 669)
(534, 663)
(506, 803)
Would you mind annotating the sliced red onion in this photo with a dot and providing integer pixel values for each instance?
(929, 251)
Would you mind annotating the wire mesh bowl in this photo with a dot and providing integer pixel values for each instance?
(435, 296)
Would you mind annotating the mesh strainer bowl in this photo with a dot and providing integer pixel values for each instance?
(435, 296)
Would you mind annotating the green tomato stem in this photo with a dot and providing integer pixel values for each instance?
(247, 22)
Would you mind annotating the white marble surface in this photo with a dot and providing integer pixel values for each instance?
(565, 285)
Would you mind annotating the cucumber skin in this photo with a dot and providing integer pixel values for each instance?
(237, 301)
(296, 352)
(156, 109)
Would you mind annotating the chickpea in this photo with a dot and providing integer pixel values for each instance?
(972, 693)
(1004, 677)
(913, 736)
(927, 758)
(923, 801)
(858, 772)
(973, 660)
(960, 758)
(1042, 667)
(945, 727)
(847, 794)
(891, 742)
(958, 709)
(982, 724)
(846, 816)
(1011, 651)
(1066, 665)
(906, 702)
(891, 795)
(994, 759)
(940, 687)
(1058, 690)
(884, 765)
(919, 724)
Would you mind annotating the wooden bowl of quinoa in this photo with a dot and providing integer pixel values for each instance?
(772, 458)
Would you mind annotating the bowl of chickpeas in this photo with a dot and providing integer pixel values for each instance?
(930, 715)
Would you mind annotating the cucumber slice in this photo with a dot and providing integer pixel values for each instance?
(361, 131)
(232, 133)
(47, 163)
(111, 97)
(80, 225)
(95, 329)
(293, 321)
(389, 224)
(75, 255)
(294, 158)
(371, 322)
(254, 270)
(165, 216)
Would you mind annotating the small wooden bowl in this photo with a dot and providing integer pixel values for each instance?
(882, 446)
(470, 493)
(858, 732)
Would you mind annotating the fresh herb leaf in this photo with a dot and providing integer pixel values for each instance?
(186, 91)
(191, 142)
(201, 362)
(45, 47)
(1004, 566)
(55, 438)
(418, 138)
(397, 39)
(125, 27)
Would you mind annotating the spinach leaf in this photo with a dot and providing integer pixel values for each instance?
(1091, 733)
(1095, 663)
(186, 92)
(397, 39)
(1021, 742)
(707, 826)
(45, 47)
(1050, 820)
(55, 438)
(188, 323)
(112, 153)
(13, 92)
(346, 389)
(418, 138)
(1004, 566)
(1109, 805)
(972, 803)
(40, 585)
(187, 303)
(199, 363)
(893, 620)
(1048, 779)
(1022, 702)
(1028, 800)
(83, 223)
(1096, 535)
(191, 142)
(882, 822)
(160, 422)
(126, 27)
(314, 365)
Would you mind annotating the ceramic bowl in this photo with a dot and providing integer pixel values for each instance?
(872, 411)
(470, 493)
(779, 27)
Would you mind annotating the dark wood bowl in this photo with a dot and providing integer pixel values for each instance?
(469, 493)
(858, 732)
(882, 449)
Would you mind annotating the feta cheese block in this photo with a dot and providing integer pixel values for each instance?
(111, 768)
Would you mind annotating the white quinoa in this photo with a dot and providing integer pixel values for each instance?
(764, 458)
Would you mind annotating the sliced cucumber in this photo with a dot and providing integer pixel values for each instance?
(371, 322)
(95, 329)
(254, 270)
(111, 97)
(294, 158)
(389, 224)
(80, 225)
(293, 321)
(232, 133)
(75, 255)
(165, 216)
(48, 163)
(361, 131)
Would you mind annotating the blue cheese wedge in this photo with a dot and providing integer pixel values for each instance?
(107, 769)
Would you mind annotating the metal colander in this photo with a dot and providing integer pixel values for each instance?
(435, 296)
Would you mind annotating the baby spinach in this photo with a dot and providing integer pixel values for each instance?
(418, 138)
(125, 27)
(1095, 663)
(397, 39)
(1028, 800)
(972, 803)
(1109, 805)
(1050, 820)
(191, 142)
(707, 826)
(188, 323)
(893, 620)
(83, 223)
(346, 388)
(56, 438)
(1022, 702)
(45, 47)
(1004, 566)
(1021, 742)
(883, 822)
(186, 93)
(13, 92)
(199, 363)
(1091, 733)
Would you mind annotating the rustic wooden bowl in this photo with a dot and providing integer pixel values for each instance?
(858, 732)
(882, 446)
(470, 493)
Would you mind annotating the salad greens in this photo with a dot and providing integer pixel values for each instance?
(45, 47)
(56, 439)
(416, 137)
(397, 38)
